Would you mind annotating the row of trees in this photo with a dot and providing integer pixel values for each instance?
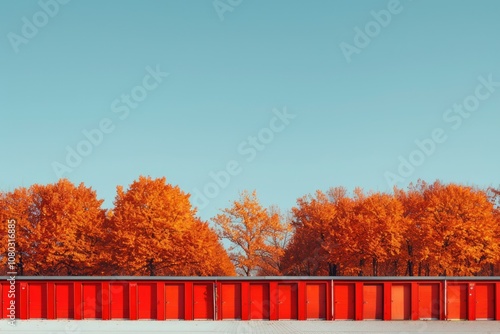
(61, 229)
(428, 229)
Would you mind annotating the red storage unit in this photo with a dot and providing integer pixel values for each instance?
(259, 301)
(174, 301)
(146, 301)
(287, 301)
(456, 303)
(343, 294)
(373, 302)
(91, 301)
(37, 299)
(64, 301)
(485, 301)
(6, 299)
(119, 301)
(203, 302)
(428, 301)
(255, 298)
(231, 301)
(400, 302)
(316, 301)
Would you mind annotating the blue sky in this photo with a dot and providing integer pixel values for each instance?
(231, 70)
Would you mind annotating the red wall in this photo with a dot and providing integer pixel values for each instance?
(277, 298)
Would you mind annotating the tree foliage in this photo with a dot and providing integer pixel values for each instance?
(254, 234)
(155, 232)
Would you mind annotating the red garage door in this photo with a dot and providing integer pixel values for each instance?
(203, 307)
(4, 302)
(64, 301)
(344, 301)
(146, 298)
(37, 299)
(92, 301)
(287, 301)
(485, 301)
(259, 301)
(400, 302)
(316, 301)
(373, 301)
(428, 301)
(231, 300)
(119, 300)
(174, 301)
(457, 302)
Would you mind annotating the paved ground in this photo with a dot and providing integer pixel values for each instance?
(248, 327)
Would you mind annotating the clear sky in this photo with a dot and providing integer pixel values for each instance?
(283, 96)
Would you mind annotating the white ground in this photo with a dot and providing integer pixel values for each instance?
(248, 327)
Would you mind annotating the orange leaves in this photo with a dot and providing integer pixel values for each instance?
(62, 230)
(59, 228)
(250, 229)
(155, 232)
(428, 230)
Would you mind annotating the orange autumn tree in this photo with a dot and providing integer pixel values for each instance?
(376, 233)
(153, 231)
(250, 228)
(59, 230)
(16, 205)
(318, 241)
(460, 229)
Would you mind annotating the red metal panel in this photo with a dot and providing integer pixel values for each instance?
(78, 294)
(146, 300)
(105, 300)
(400, 302)
(343, 294)
(302, 306)
(203, 301)
(497, 301)
(316, 301)
(92, 304)
(160, 301)
(245, 300)
(37, 300)
(259, 301)
(485, 301)
(22, 302)
(65, 301)
(428, 301)
(4, 302)
(119, 301)
(457, 301)
(287, 301)
(174, 301)
(132, 289)
(231, 300)
(373, 301)
(51, 300)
